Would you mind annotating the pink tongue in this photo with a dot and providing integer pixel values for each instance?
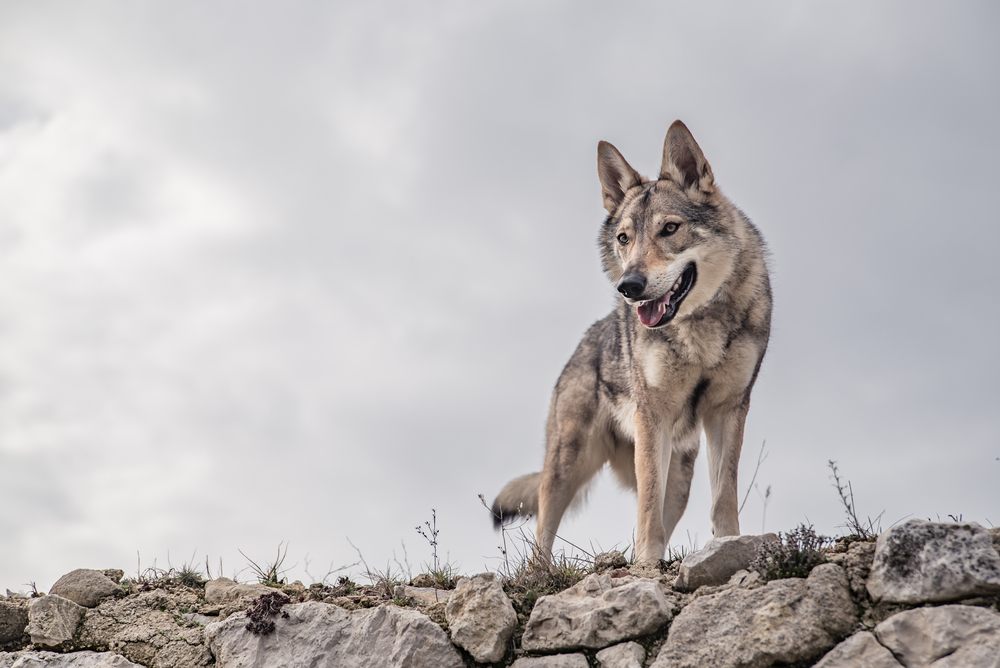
(651, 312)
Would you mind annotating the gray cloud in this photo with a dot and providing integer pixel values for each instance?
(302, 274)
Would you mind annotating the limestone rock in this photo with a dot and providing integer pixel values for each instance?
(857, 561)
(596, 612)
(85, 587)
(861, 649)
(785, 621)
(746, 579)
(625, 655)
(224, 590)
(715, 563)
(423, 595)
(321, 634)
(481, 618)
(918, 562)
(72, 660)
(13, 621)
(950, 636)
(53, 620)
(148, 628)
(606, 561)
(115, 574)
(552, 661)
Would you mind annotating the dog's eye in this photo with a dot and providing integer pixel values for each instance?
(623, 238)
(669, 229)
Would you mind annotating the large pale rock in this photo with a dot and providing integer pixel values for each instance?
(224, 590)
(919, 562)
(13, 621)
(53, 620)
(481, 618)
(625, 655)
(596, 612)
(153, 628)
(951, 636)
(553, 661)
(785, 621)
(85, 587)
(72, 660)
(318, 634)
(860, 650)
(715, 563)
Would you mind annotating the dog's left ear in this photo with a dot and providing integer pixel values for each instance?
(616, 175)
(683, 161)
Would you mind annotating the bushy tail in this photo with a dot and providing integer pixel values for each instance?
(518, 498)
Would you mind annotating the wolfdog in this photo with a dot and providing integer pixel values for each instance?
(679, 353)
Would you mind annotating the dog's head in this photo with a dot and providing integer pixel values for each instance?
(668, 244)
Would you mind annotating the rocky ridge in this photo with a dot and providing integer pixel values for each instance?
(923, 594)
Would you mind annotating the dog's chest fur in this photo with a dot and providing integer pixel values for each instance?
(695, 364)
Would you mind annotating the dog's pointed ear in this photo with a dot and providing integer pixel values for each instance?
(683, 161)
(616, 175)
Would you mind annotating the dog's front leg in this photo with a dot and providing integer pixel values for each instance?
(652, 461)
(724, 433)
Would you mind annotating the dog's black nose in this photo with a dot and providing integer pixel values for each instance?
(631, 285)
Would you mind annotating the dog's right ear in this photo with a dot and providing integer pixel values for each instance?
(616, 175)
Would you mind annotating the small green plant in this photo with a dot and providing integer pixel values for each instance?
(793, 555)
(429, 530)
(441, 576)
(270, 573)
(190, 577)
(445, 577)
(344, 586)
(188, 574)
(382, 582)
(867, 529)
(153, 577)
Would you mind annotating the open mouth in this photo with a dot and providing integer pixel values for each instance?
(658, 312)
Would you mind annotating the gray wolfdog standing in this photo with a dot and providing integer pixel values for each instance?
(680, 352)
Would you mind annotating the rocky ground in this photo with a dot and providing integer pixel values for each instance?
(923, 594)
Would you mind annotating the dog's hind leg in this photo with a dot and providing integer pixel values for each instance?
(572, 456)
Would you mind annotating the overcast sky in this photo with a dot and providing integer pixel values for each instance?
(302, 272)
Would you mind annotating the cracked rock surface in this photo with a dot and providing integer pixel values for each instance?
(13, 621)
(86, 659)
(861, 649)
(624, 655)
(53, 621)
(715, 563)
(918, 562)
(317, 634)
(949, 636)
(85, 587)
(785, 621)
(553, 661)
(598, 611)
(149, 628)
(481, 619)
